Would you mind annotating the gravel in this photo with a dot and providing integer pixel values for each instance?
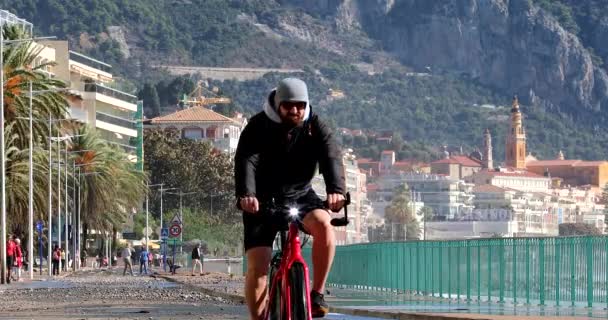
(102, 292)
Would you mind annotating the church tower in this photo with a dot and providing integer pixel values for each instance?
(487, 150)
(516, 139)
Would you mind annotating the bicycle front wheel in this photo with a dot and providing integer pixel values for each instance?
(275, 297)
(298, 293)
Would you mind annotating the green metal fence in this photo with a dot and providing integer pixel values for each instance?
(539, 271)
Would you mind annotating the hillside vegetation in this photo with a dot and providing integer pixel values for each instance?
(433, 109)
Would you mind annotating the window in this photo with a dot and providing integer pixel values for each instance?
(194, 134)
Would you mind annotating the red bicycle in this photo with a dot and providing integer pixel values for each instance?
(289, 279)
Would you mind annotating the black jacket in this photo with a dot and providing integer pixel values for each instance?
(274, 161)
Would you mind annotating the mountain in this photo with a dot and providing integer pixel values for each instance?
(420, 68)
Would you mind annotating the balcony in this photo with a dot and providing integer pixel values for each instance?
(118, 121)
(88, 61)
(97, 88)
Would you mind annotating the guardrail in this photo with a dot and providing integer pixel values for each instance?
(540, 271)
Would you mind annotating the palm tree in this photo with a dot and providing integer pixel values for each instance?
(19, 72)
(110, 184)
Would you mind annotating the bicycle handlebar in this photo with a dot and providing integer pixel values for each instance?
(283, 210)
(342, 222)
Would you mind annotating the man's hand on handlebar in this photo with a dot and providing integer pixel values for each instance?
(335, 201)
(250, 204)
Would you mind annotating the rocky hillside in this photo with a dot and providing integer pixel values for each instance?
(422, 68)
(510, 45)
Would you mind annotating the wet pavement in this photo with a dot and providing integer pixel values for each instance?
(106, 294)
(402, 303)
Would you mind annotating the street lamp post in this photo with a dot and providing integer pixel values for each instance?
(148, 211)
(3, 153)
(181, 216)
(161, 224)
(30, 245)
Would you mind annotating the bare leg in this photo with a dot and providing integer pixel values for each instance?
(317, 223)
(258, 262)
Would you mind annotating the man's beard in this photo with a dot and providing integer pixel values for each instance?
(291, 121)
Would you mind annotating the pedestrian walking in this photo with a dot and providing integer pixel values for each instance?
(197, 258)
(18, 264)
(126, 258)
(63, 266)
(143, 261)
(56, 257)
(10, 257)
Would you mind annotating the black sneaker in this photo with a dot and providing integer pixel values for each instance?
(319, 306)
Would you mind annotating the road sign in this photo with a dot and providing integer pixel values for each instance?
(176, 220)
(164, 233)
(174, 241)
(146, 231)
(175, 230)
(39, 226)
(129, 235)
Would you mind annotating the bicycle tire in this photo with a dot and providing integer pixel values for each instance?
(298, 293)
(274, 306)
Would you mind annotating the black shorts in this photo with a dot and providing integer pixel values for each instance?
(261, 228)
(10, 261)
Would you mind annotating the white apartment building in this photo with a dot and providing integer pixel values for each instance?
(113, 113)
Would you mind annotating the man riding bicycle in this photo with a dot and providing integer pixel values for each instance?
(277, 157)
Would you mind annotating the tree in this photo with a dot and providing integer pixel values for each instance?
(399, 212)
(191, 166)
(578, 229)
(149, 95)
(19, 72)
(110, 185)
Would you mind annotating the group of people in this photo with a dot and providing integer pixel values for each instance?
(14, 259)
(144, 257)
(58, 255)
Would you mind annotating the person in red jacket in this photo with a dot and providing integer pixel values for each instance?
(10, 257)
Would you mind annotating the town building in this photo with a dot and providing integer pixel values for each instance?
(575, 173)
(114, 114)
(200, 123)
(360, 209)
(457, 166)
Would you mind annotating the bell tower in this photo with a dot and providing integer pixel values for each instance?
(516, 139)
(487, 150)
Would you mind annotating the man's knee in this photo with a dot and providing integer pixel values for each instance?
(318, 224)
(258, 261)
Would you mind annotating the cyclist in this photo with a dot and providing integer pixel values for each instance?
(277, 156)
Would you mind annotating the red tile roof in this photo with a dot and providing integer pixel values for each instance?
(590, 163)
(388, 152)
(372, 187)
(544, 163)
(573, 163)
(194, 114)
(527, 174)
(461, 160)
(488, 188)
(366, 161)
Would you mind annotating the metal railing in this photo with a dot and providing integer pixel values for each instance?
(540, 271)
(111, 119)
(93, 87)
(88, 61)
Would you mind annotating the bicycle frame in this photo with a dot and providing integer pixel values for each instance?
(290, 253)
